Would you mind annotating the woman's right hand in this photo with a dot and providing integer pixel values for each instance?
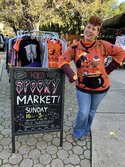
(75, 77)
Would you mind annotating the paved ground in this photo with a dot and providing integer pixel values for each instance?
(106, 148)
(108, 132)
(1, 63)
(41, 150)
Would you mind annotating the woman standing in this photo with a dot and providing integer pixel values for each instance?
(92, 77)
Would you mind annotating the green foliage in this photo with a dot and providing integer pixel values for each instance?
(120, 9)
(68, 16)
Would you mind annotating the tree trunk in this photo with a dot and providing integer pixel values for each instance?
(36, 25)
(14, 29)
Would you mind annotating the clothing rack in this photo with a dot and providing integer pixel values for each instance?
(37, 33)
(48, 46)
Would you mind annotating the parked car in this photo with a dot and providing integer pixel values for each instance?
(2, 42)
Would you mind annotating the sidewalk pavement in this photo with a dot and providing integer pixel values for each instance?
(43, 149)
(108, 130)
(1, 69)
(1, 63)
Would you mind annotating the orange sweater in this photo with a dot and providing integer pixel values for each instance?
(54, 51)
(89, 61)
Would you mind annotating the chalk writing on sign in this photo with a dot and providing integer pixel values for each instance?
(37, 98)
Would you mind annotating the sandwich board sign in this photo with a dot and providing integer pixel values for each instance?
(37, 101)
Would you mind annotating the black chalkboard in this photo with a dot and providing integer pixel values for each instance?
(37, 100)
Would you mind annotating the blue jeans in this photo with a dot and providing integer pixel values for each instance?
(88, 104)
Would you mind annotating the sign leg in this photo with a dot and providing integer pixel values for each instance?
(13, 144)
(61, 138)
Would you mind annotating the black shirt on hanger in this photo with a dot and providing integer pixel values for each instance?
(29, 51)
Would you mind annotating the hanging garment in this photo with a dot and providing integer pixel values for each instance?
(54, 51)
(120, 41)
(44, 54)
(29, 52)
